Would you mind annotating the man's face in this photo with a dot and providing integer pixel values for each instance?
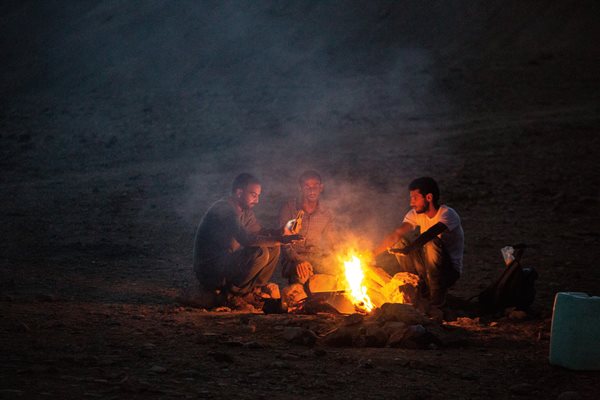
(249, 196)
(311, 189)
(419, 202)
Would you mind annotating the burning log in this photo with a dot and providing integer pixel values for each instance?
(376, 274)
(402, 288)
(319, 283)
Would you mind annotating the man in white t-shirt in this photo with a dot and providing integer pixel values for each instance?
(436, 254)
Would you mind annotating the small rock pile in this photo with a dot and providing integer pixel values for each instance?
(392, 325)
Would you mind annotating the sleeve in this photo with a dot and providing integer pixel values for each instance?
(252, 226)
(240, 232)
(450, 218)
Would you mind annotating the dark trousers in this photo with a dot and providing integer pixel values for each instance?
(431, 263)
(253, 267)
(240, 272)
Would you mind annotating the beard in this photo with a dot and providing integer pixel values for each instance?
(423, 209)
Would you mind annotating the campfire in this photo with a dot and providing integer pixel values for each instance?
(358, 286)
(368, 286)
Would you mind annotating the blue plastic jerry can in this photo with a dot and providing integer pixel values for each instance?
(575, 334)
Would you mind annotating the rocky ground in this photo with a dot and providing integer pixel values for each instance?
(101, 193)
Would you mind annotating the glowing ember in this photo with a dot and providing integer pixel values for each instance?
(354, 276)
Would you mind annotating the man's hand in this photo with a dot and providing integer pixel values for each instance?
(395, 250)
(304, 270)
(291, 238)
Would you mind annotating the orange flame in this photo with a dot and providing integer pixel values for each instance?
(358, 292)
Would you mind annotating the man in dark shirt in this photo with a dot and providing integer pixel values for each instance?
(233, 253)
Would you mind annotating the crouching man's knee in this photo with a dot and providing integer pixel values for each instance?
(274, 252)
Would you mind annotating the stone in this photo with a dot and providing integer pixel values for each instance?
(391, 327)
(402, 312)
(375, 337)
(353, 319)
(415, 337)
(341, 337)
(297, 335)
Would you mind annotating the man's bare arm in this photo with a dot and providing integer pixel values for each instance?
(393, 237)
(425, 237)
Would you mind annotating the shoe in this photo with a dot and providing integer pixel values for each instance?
(438, 298)
(239, 303)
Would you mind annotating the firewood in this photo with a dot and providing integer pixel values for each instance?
(377, 274)
(370, 283)
(319, 283)
(376, 297)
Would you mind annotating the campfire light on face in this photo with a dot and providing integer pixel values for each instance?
(358, 292)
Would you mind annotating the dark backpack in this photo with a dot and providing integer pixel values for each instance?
(514, 288)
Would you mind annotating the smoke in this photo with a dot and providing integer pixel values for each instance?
(190, 94)
(301, 94)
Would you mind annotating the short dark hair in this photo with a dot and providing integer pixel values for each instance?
(242, 181)
(309, 174)
(426, 185)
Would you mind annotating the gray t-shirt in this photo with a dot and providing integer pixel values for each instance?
(223, 229)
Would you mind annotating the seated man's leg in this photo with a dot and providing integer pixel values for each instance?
(288, 268)
(408, 262)
(252, 267)
(440, 274)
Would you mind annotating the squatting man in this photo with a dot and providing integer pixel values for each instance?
(234, 256)
(428, 243)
